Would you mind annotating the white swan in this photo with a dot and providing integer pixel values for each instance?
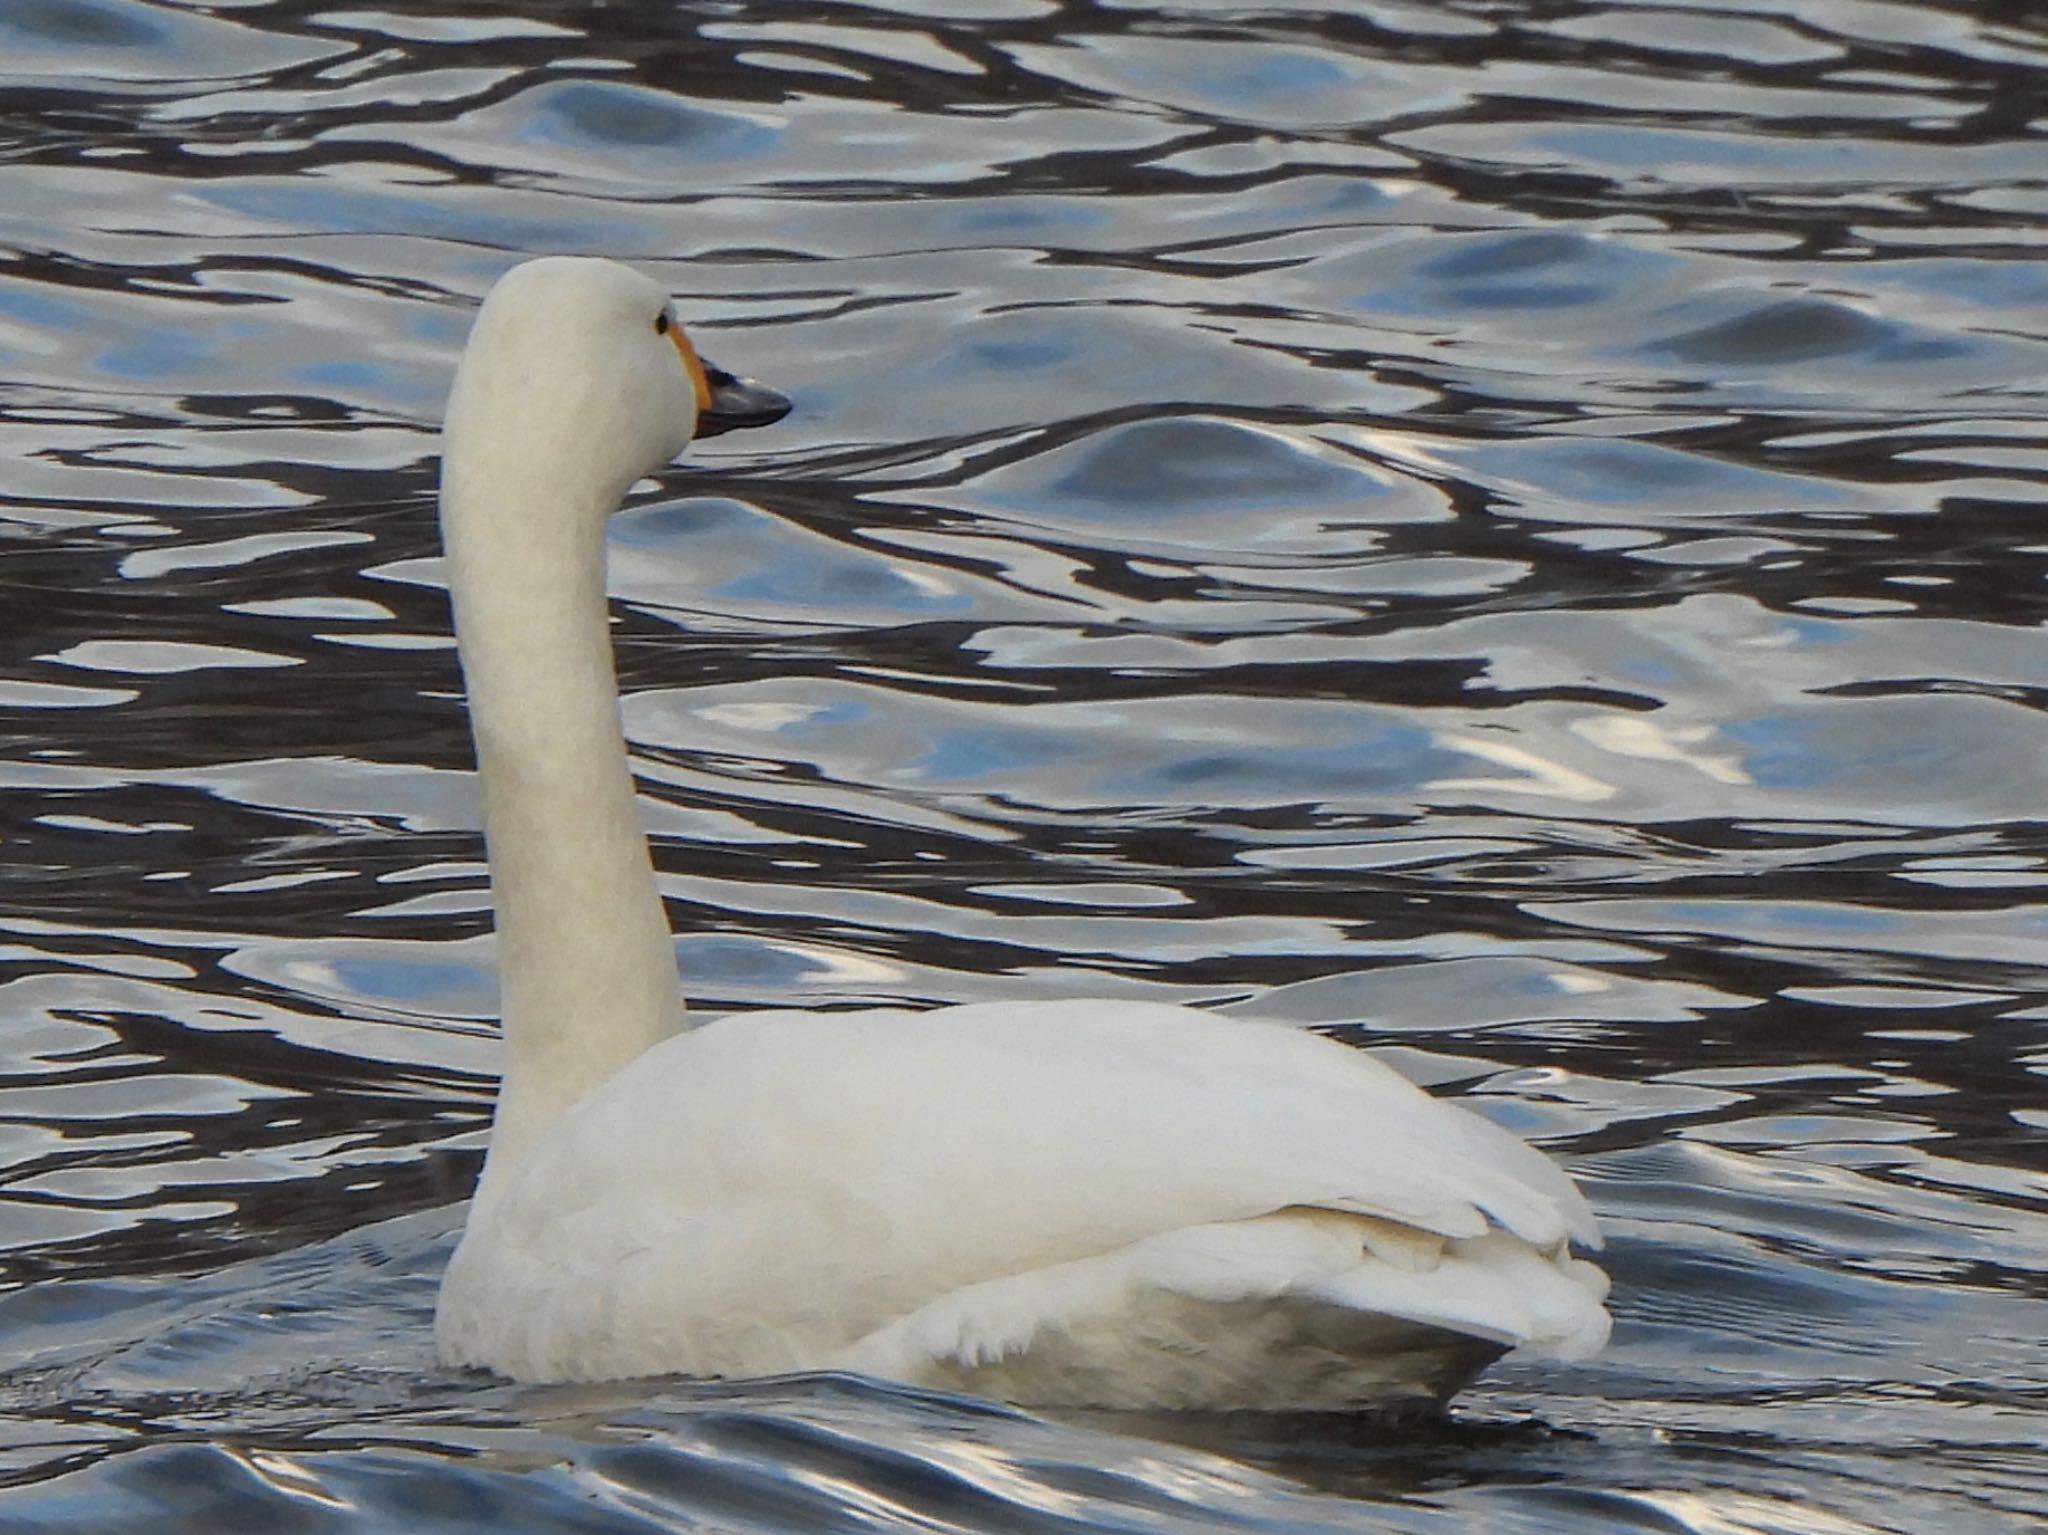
(1114, 1204)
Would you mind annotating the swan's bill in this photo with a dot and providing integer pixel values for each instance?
(725, 401)
(738, 402)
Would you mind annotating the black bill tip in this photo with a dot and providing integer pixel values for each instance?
(737, 403)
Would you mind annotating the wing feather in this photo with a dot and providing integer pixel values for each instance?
(811, 1175)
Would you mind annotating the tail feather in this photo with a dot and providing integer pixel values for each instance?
(1494, 1286)
(1175, 1297)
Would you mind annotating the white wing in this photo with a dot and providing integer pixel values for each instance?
(795, 1190)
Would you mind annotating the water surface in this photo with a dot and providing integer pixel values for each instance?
(1506, 530)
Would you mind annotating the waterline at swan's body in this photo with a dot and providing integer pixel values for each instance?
(1095, 1203)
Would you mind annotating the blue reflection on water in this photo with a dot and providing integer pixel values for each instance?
(603, 116)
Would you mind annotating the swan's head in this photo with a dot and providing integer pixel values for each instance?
(577, 367)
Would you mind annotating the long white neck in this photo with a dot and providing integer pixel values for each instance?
(587, 969)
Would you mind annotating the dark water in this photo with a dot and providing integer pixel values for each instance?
(1511, 528)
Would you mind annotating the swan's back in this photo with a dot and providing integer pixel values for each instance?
(967, 1196)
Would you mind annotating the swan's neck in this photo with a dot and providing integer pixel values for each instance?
(587, 969)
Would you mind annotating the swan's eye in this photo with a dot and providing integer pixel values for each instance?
(661, 323)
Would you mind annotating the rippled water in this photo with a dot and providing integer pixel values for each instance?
(1507, 527)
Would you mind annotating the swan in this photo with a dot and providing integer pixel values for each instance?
(1073, 1203)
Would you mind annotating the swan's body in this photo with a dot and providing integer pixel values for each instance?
(1109, 1204)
